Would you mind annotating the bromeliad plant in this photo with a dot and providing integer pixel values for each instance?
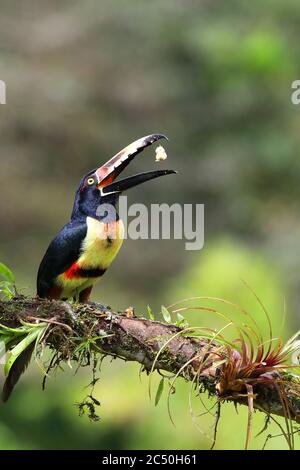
(14, 341)
(7, 282)
(244, 362)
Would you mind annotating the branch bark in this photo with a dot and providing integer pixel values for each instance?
(140, 340)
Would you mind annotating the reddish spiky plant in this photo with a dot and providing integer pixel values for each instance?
(251, 360)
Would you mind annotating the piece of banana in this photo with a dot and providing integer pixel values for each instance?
(160, 154)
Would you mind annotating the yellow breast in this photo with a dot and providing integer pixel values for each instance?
(99, 248)
(101, 244)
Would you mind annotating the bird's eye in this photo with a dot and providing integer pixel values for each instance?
(91, 181)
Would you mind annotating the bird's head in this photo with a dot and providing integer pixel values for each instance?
(99, 186)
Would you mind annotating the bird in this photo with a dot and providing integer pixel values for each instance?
(85, 247)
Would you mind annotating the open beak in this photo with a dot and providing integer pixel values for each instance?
(107, 173)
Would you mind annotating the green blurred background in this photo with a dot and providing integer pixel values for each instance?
(85, 79)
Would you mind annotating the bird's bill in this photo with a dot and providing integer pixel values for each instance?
(131, 181)
(108, 172)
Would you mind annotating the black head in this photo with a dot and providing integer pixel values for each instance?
(99, 186)
(88, 198)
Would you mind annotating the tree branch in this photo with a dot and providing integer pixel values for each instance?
(157, 346)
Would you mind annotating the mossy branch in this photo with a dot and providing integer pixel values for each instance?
(157, 346)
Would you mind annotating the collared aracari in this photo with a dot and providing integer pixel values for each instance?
(85, 247)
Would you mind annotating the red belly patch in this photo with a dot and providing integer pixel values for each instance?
(76, 272)
(73, 272)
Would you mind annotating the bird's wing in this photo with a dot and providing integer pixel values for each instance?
(63, 251)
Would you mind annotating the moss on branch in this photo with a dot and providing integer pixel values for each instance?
(156, 346)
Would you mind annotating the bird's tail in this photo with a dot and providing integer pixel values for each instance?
(17, 369)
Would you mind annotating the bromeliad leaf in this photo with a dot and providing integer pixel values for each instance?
(150, 313)
(160, 389)
(166, 314)
(6, 289)
(181, 321)
(2, 351)
(14, 353)
(6, 330)
(7, 274)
